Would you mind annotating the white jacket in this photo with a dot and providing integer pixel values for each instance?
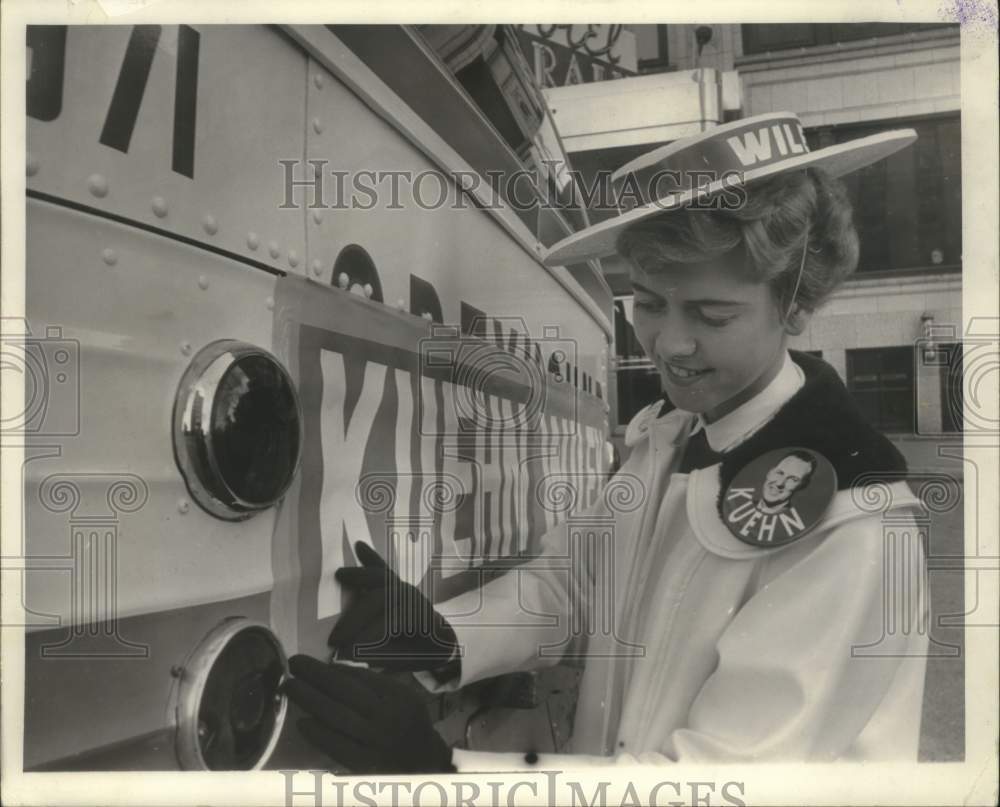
(811, 651)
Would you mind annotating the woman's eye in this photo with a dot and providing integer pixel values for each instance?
(648, 305)
(716, 322)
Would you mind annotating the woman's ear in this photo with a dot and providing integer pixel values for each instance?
(797, 319)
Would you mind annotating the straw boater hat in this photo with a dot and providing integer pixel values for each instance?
(736, 154)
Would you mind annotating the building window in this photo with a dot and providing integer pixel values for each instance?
(951, 387)
(626, 344)
(881, 382)
(660, 62)
(636, 379)
(762, 38)
(637, 387)
(908, 207)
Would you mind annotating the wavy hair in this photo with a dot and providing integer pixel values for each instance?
(770, 228)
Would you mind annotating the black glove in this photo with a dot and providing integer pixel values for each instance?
(364, 720)
(388, 622)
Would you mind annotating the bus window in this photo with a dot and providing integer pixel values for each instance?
(355, 271)
(424, 301)
(473, 321)
(474, 55)
(488, 63)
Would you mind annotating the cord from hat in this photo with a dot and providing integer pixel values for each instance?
(798, 278)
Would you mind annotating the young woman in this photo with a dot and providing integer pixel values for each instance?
(763, 573)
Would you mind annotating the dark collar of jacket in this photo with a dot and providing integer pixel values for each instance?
(822, 417)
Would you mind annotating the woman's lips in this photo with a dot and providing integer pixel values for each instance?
(684, 376)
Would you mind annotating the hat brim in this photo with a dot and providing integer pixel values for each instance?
(599, 240)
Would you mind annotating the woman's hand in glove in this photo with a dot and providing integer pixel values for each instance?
(387, 622)
(365, 720)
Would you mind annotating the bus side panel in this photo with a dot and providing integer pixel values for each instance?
(175, 127)
(425, 227)
(95, 700)
(418, 222)
(154, 155)
(110, 525)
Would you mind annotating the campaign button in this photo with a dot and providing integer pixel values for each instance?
(779, 496)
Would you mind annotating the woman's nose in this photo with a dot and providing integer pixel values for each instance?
(674, 339)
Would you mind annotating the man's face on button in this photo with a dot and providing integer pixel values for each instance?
(783, 480)
(710, 330)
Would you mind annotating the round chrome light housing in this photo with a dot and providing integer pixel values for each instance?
(237, 429)
(229, 709)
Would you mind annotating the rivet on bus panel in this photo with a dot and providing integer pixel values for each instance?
(252, 240)
(98, 185)
(183, 505)
(186, 348)
(32, 165)
(317, 126)
(202, 282)
(317, 216)
(293, 258)
(317, 267)
(269, 302)
(110, 256)
(318, 81)
(273, 249)
(210, 225)
(159, 205)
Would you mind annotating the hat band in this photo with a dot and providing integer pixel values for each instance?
(720, 158)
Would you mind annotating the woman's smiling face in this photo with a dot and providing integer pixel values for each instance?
(716, 336)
